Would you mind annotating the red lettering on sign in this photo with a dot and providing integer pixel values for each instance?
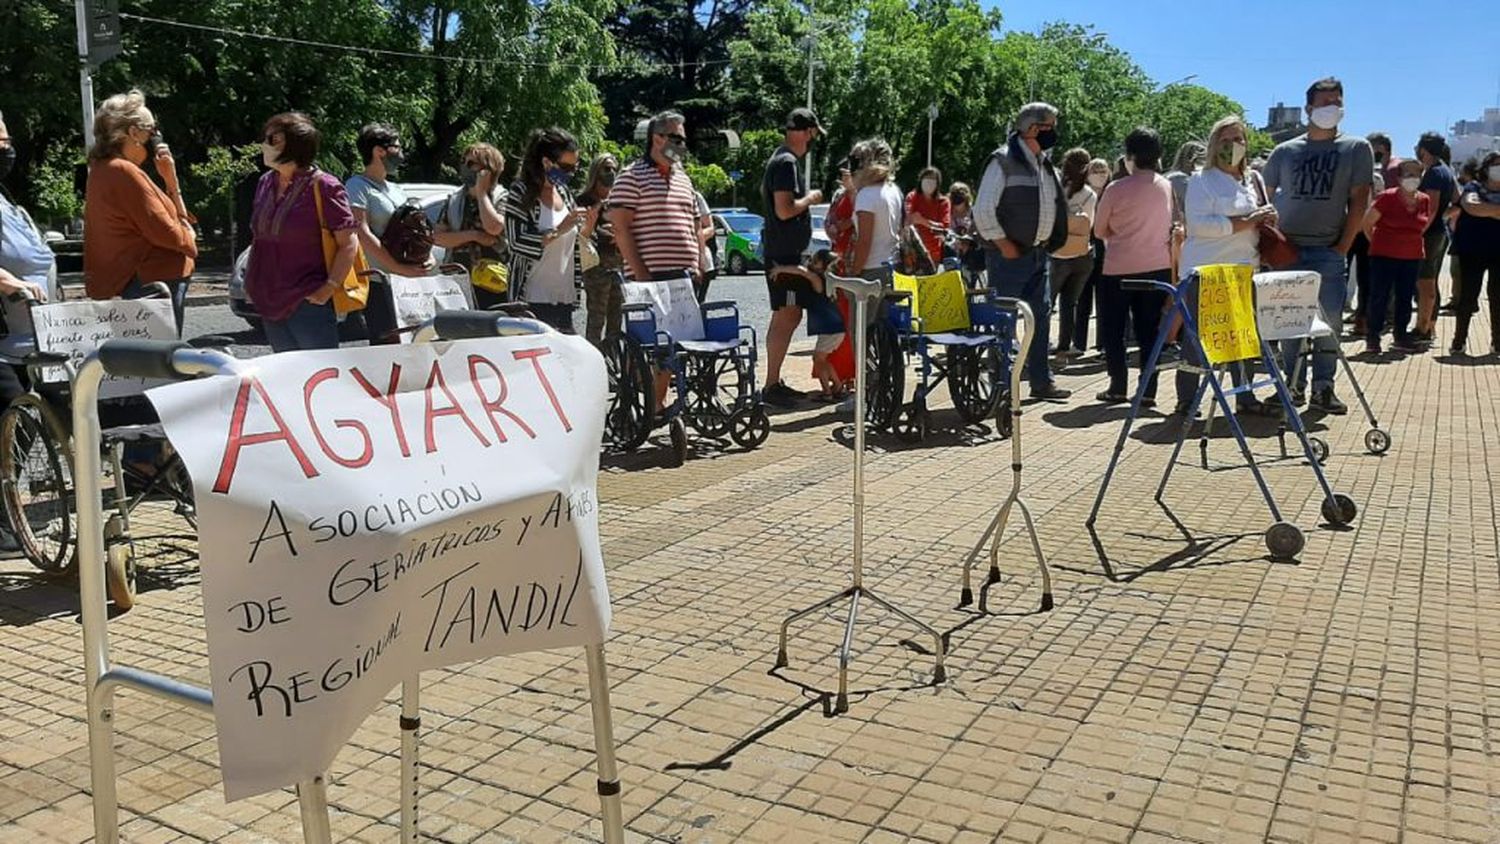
(535, 356)
(453, 409)
(238, 439)
(493, 406)
(369, 448)
(388, 398)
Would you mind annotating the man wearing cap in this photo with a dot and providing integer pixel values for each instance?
(1022, 214)
(788, 232)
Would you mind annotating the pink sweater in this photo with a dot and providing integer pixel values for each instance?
(1134, 219)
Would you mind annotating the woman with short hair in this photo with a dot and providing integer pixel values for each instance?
(470, 224)
(135, 233)
(286, 276)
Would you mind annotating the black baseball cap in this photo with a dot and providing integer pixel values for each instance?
(803, 118)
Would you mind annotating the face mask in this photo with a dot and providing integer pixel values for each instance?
(559, 177)
(674, 152)
(1097, 181)
(151, 144)
(393, 160)
(1046, 139)
(1410, 184)
(929, 186)
(607, 178)
(471, 177)
(269, 154)
(7, 161)
(1231, 154)
(1327, 117)
(1379, 158)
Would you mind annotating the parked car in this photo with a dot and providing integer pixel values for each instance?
(430, 196)
(819, 238)
(739, 244)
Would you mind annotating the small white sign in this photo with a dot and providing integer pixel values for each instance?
(673, 303)
(81, 326)
(1286, 305)
(365, 514)
(419, 299)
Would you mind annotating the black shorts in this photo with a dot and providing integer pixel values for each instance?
(789, 291)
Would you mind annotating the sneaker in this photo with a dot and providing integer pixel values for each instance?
(1299, 398)
(1170, 354)
(1447, 307)
(780, 395)
(1106, 397)
(1457, 350)
(1374, 348)
(1148, 402)
(1327, 402)
(1050, 392)
(1409, 347)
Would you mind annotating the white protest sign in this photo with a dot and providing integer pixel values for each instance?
(79, 327)
(368, 513)
(673, 303)
(1286, 305)
(418, 299)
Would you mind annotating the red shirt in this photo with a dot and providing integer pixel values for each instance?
(1398, 232)
(937, 210)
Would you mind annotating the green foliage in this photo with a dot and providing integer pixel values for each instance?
(209, 185)
(1187, 112)
(710, 180)
(56, 202)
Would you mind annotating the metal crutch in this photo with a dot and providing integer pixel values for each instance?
(460, 325)
(862, 292)
(178, 361)
(997, 524)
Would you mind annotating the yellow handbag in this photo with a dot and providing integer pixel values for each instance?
(490, 275)
(354, 288)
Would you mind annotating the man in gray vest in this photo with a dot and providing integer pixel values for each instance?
(1023, 216)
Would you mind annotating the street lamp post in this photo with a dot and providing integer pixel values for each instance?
(811, 39)
(932, 116)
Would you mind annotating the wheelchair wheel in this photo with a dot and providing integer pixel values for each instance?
(885, 373)
(912, 422)
(711, 395)
(677, 433)
(974, 380)
(119, 565)
(1005, 423)
(35, 483)
(632, 392)
(749, 427)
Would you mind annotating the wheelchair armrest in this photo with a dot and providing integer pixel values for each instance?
(635, 308)
(723, 304)
(897, 295)
(211, 341)
(44, 359)
(1143, 285)
(465, 325)
(376, 275)
(513, 309)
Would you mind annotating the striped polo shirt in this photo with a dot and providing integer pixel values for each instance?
(666, 215)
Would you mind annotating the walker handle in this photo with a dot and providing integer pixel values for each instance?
(467, 325)
(143, 358)
(1009, 304)
(1144, 285)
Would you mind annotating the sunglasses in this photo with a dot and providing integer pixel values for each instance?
(674, 137)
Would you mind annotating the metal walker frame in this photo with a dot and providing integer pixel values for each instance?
(1013, 498)
(862, 292)
(1283, 539)
(141, 359)
(463, 325)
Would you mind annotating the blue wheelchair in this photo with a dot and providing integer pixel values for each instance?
(707, 356)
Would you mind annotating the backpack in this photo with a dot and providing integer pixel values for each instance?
(408, 235)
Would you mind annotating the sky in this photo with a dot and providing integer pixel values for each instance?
(1271, 50)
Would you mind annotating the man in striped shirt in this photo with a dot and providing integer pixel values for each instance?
(654, 208)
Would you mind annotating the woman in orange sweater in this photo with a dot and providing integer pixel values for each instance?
(135, 233)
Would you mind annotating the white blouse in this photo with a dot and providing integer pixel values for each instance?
(1213, 197)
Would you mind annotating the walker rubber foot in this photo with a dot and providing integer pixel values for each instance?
(841, 703)
(940, 676)
(1046, 602)
(994, 576)
(781, 659)
(966, 597)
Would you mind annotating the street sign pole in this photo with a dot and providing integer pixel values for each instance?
(85, 76)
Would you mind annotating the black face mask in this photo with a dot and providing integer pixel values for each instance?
(1046, 138)
(151, 145)
(7, 161)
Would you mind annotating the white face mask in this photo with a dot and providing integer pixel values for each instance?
(1494, 172)
(269, 154)
(1097, 181)
(1410, 184)
(1328, 117)
(929, 186)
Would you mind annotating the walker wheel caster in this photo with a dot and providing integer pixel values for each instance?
(1005, 424)
(677, 431)
(1377, 441)
(965, 597)
(1285, 541)
(119, 575)
(1046, 602)
(1319, 449)
(1339, 510)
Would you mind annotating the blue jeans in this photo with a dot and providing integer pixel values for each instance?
(309, 327)
(1333, 268)
(1025, 278)
(1387, 276)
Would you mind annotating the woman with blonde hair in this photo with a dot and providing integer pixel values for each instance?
(135, 233)
(878, 205)
(1223, 211)
(471, 225)
(602, 294)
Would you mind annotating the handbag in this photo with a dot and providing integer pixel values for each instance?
(1276, 251)
(354, 289)
(490, 275)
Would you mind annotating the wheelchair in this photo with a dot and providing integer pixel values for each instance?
(707, 353)
(37, 487)
(971, 351)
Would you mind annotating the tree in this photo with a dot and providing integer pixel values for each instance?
(1181, 113)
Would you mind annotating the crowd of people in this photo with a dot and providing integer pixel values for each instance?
(1063, 236)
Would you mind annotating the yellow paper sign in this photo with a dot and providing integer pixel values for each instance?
(1226, 313)
(940, 301)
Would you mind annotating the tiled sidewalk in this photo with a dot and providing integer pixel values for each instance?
(1202, 693)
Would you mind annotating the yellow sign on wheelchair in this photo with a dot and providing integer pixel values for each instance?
(940, 301)
(1226, 313)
